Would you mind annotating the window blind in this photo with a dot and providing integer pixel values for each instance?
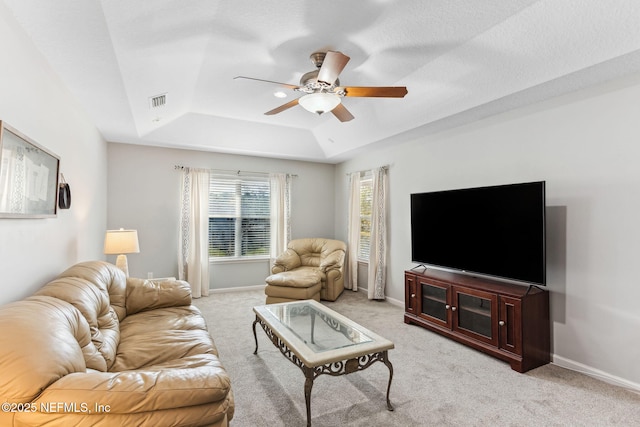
(239, 217)
(366, 198)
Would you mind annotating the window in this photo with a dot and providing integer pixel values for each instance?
(239, 217)
(366, 197)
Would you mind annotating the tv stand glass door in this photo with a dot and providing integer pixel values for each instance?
(435, 302)
(468, 311)
(474, 312)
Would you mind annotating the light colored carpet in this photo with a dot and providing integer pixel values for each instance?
(436, 381)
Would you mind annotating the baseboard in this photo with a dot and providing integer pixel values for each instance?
(391, 301)
(395, 302)
(595, 373)
(238, 289)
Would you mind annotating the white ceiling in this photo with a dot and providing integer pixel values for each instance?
(461, 60)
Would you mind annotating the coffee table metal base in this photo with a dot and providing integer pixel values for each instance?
(342, 367)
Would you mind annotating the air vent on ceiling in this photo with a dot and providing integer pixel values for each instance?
(158, 101)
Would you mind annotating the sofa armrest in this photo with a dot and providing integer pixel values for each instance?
(142, 294)
(143, 390)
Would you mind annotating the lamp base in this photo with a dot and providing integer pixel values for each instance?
(121, 263)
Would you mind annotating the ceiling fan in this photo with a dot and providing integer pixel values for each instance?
(322, 88)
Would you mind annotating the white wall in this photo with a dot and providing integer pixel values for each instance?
(586, 146)
(35, 102)
(144, 193)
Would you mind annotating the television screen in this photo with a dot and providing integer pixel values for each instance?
(494, 231)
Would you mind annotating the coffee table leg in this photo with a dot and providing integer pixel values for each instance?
(308, 384)
(313, 326)
(390, 366)
(255, 337)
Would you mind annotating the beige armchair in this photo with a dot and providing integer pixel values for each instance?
(308, 258)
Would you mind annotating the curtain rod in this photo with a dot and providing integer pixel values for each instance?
(230, 171)
(385, 167)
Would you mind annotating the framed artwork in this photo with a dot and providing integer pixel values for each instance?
(28, 177)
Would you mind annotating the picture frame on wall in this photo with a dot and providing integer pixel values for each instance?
(28, 177)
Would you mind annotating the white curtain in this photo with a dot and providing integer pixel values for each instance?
(378, 249)
(353, 233)
(193, 245)
(280, 185)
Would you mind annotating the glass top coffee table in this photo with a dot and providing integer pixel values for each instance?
(320, 341)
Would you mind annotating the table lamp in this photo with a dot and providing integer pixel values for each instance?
(121, 242)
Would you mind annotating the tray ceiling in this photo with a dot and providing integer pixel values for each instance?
(460, 60)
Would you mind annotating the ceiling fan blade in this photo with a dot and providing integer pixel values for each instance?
(283, 107)
(290, 86)
(380, 91)
(342, 113)
(332, 66)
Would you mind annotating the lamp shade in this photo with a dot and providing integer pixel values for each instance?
(121, 242)
(319, 102)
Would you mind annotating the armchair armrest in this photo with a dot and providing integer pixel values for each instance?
(288, 260)
(277, 269)
(149, 294)
(334, 260)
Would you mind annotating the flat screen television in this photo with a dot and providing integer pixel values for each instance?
(496, 231)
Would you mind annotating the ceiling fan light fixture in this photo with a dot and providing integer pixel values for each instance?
(319, 102)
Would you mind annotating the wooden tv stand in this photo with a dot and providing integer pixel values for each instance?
(507, 321)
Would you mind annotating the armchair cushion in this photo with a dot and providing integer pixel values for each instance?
(302, 278)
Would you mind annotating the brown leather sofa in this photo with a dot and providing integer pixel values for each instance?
(95, 348)
(306, 259)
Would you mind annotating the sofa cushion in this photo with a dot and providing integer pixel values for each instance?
(98, 290)
(144, 294)
(106, 277)
(93, 303)
(42, 339)
(191, 380)
(164, 335)
(215, 414)
(195, 390)
(183, 318)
